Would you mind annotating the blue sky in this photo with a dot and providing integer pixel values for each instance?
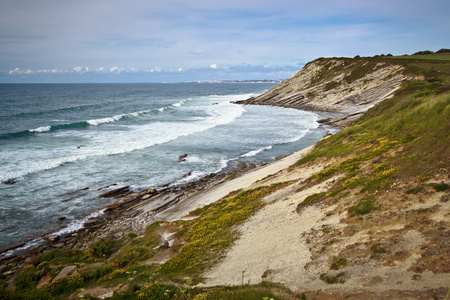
(173, 41)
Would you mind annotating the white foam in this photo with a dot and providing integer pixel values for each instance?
(41, 129)
(230, 98)
(72, 227)
(79, 223)
(255, 152)
(97, 122)
(178, 104)
(297, 138)
(192, 177)
(136, 137)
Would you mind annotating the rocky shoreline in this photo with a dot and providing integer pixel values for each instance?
(120, 217)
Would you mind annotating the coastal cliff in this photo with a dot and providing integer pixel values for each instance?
(362, 214)
(344, 85)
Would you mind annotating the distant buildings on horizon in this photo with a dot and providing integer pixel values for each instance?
(238, 81)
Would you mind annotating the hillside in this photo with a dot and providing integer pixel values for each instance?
(348, 86)
(363, 214)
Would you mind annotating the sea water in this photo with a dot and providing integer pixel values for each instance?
(61, 144)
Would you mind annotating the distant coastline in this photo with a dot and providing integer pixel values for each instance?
(238, 81)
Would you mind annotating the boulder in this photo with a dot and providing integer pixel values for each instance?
(241, 165)
(182, 157)
(65, 271)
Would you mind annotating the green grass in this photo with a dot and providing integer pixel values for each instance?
(441, 57)
(415, 124)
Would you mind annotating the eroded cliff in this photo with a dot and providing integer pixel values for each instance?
(345, 85)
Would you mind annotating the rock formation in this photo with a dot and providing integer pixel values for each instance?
(344, 85)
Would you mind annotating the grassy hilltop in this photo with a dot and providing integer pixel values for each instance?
(385, 177)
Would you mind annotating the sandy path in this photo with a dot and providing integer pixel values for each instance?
(272, 245)
(215, 193)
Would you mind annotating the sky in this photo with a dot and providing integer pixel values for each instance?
(57, 41)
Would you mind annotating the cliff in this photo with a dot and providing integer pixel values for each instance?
(363, 214)
(344, 85)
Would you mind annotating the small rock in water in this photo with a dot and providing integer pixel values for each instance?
(61, 218)
(10, 181)
(182, 157)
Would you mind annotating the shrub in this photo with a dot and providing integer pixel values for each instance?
(338, 263)
(440, 187)
(363, 207)
(103, 248)
(415, 190)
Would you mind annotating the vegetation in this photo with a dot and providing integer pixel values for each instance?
(405, 137)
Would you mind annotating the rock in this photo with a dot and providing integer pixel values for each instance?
(120, 192)
(182, 157)
(251, 166)
(444, 198)
(3, 269)
(65, 271)
(36, 248)
(58, 245)
(52, 238)
(416, 277)
(43, 281)
(61, 218)
(241, 165)
(146, 196)
(10, 181)
(90, 223)
(31, 260)
(7, 273)
(280, 157)
(164, 244)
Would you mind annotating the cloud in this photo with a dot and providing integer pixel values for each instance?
(213, 66)
(115, 70)
(180, 69)
(81, 70)
(15, 71)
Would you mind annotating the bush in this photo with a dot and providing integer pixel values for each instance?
(103, 248)
(363, 207)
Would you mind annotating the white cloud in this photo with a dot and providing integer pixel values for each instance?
(116, 70)
(180, 69)
(81, 70)
(15, 71)
(213, 66)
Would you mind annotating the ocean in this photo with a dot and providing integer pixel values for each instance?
(60, 144)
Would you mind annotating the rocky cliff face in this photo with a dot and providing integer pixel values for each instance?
(345, 85)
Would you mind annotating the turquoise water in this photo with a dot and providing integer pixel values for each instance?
(61, 143)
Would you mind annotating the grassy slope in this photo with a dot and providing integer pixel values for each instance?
(405, 139)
